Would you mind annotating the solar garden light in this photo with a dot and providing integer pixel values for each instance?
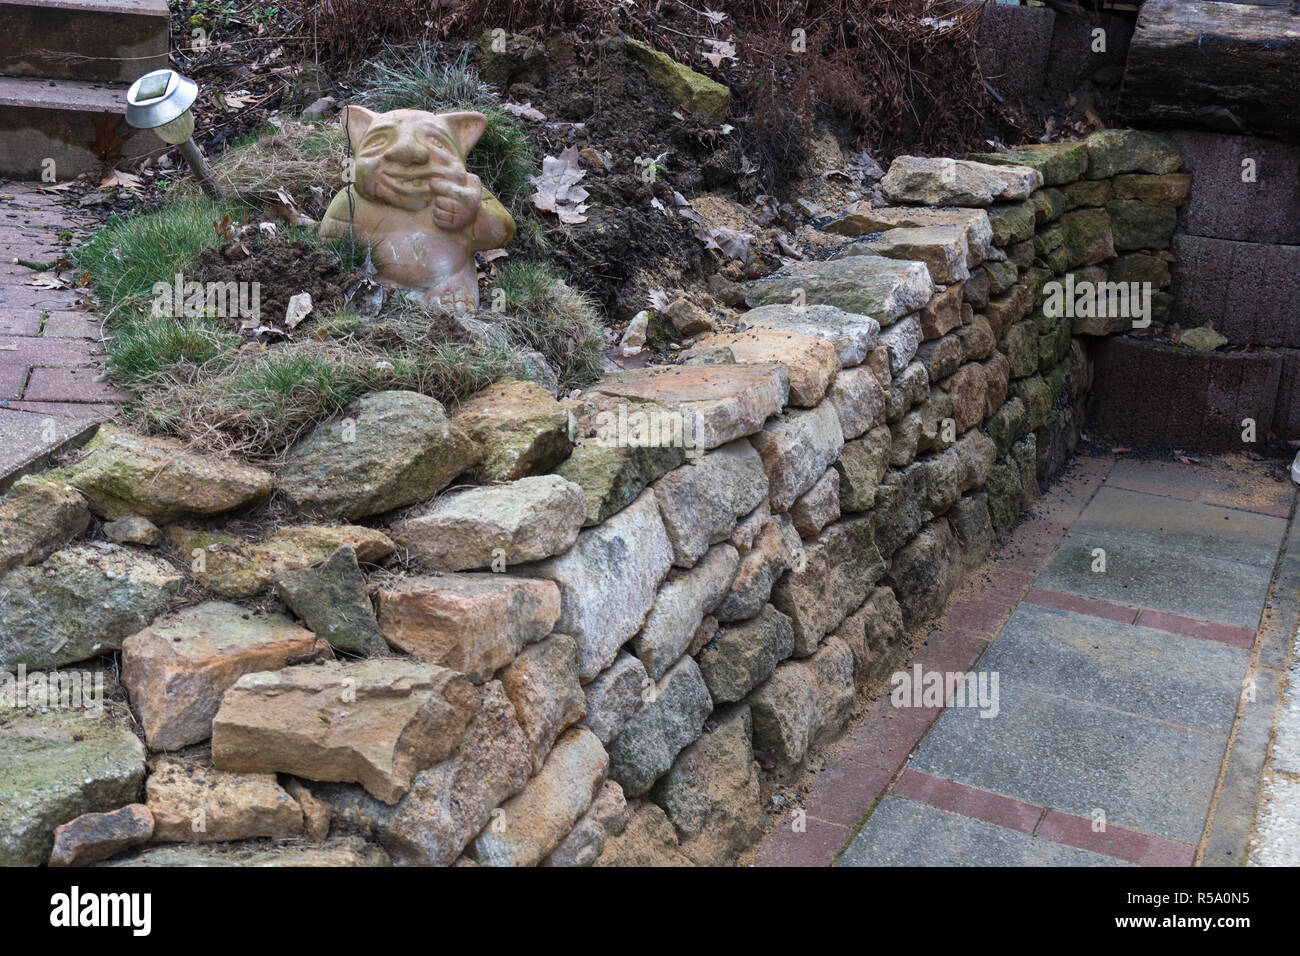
(161, 101)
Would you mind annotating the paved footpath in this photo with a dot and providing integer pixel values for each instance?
(49, 341)
(1136, 706)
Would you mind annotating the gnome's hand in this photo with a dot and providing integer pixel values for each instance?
(456, 198)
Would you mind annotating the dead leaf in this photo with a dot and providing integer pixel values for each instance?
(238, 100)
(118, 178)
(557, 187)
(299, 308)
(659, 300)
(525, 111)
(47, 282)
(223, 228)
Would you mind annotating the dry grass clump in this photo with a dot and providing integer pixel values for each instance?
(305, 161)
(256, 403)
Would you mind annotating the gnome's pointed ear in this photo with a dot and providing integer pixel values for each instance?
(465, 128)
(356, 120)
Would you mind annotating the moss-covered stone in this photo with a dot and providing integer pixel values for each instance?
(55, 766)
(1139, 226)
(1012, 223)
(1088, 238)
(1058, 162)
(1048, 205)
(1115, 151)
(690, 90)
(1037, 398)
(1007, 424)
(1169, 190)
(1088, 192)
(1139, 267)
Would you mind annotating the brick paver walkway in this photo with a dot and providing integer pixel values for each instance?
(1135, 704)
(49, 343)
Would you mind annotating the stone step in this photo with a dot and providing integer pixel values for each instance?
(87, 40)
(71, 122)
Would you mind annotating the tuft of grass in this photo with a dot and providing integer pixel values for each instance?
(152, 348)
(412, 77)
(545, 313)
(128, 255)
(257, 405)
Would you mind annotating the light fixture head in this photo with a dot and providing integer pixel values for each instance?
(160, 98)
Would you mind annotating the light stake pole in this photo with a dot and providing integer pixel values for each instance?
(161, 101)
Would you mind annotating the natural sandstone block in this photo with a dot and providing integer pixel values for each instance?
(901, 340)
(858, 399)
(1012, 223)
(542, 684)
(942, 314)
(908, 389)
(997, 373)
(1140, 226)
(92, 837)
(775, 550)
(333, 602)
(228, 565)
(811, 362)
(905, 436)
(1058, 162)
(838, 571)
(796, 449)
(885, 289)
(59, 764)
(943, 249)
(1088, 192)
(178, 668)
(941, 357)
(524, 520)
(1168, 190)
(534, 821)
(377, 722)
(861, 466)
(671, 719)
(925, 571)
(818, 506)
(851, 335)
(956, 182)
(38, 515)
(719, 403)
(679, 609)
(1020, 346)
(615, 695)
(388, 450)
(712, 793)
(80, 602)
(803, 703)
(864, 220)
(1007, 309)
(700, 501)
(1115, 151)
(192, 802)
(449, 803)
(608, 581)
(973, 527)
(744, 655)
(520, 427)
(160, 479)
(473, 623)
(968, 388)
(900, 507)
(607, 817)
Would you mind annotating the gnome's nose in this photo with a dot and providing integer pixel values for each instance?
(408, 152)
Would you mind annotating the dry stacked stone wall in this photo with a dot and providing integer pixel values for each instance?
(605, 608)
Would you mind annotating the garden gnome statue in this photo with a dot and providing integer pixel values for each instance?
(423, 214)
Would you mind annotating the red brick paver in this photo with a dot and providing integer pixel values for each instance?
(49, 345)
